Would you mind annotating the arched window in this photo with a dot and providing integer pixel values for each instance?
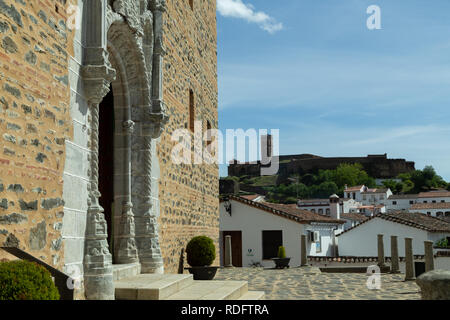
(447, 214)
(320, 211)
(313, 210)
(439, 214)
(328, 212)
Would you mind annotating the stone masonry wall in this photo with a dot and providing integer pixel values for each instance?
(189, 194)
(34, 124)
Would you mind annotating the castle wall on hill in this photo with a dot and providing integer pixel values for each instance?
(377, 166)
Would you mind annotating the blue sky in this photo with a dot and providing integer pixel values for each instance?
(313, 70)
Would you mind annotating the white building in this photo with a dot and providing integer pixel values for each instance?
(368, 196)
(322, 206)
(257, 230)
(401, 202)
(352, 219)
(375, 196)
(361, 241)
(433, 197)
(438, 209)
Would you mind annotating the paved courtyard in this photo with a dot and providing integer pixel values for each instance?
(309, 283)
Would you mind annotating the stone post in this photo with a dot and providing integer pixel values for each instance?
(228, 263)
(380, 245)
(395, 263)
(409, 260)
(429, 256)
(304, 261)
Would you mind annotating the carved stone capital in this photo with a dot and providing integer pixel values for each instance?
(97, 78)
(128, 126)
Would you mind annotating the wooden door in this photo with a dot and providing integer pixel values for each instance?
(236, 247)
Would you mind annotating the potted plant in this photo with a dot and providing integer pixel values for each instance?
(201, 253)
(281, 261)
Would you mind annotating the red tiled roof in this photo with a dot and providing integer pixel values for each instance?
(356, 188)
(434, 194)
(251, 197)
(412, 219)
(288, 211)
(354, 216)
(438, 205)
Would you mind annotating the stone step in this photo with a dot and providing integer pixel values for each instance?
(123, 271)
(151, 286)
(212, 290)
(253, 295)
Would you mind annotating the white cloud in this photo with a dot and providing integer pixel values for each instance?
(238, 9)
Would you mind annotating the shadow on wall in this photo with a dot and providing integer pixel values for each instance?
(181, 262)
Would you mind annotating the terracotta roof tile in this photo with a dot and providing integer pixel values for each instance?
(434, 194)
(412, 219)
(438, 205)
(288, 211)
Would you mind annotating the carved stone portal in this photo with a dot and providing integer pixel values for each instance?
(131, 31)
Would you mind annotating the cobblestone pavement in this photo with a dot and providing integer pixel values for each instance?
(308, 283)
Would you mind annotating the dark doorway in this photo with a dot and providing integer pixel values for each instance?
(272, 240)
(236, 247)
(419, 268)
(106, 161)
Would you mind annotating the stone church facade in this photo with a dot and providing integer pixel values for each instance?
(86, 122)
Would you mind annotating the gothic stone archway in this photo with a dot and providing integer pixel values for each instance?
(126, 51)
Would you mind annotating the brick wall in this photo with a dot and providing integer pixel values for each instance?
(189, 194)
(34, 123)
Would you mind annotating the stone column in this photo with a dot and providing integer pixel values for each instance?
(395, 262)
(429, 256)
(228, 259)
(127, 252)
(98, 273)
(97, 75)
(409, 260)
(303, 257)
(380, 245)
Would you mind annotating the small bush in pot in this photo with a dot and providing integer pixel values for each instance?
(281, 252)
(281, 261)
(23, 280)
(201, 253)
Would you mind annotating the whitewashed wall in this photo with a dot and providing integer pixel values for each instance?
(362, 241)
(252, 222)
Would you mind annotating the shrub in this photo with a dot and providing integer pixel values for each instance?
(23, 280)
(201, 251)
(443, 243)
(281, 252)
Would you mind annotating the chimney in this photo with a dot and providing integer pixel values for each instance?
(335, 209)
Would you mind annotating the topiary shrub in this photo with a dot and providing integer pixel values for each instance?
(200, 251)
(23, 280)
(281, 252)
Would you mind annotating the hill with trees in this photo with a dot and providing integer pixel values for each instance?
(327, 182)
